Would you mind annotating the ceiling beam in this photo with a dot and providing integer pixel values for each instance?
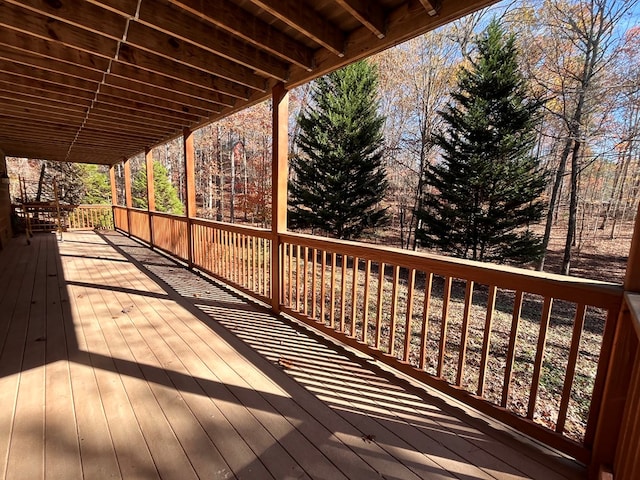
(57, 31)
(127, 86)
(228, 16)
(176, 23)
(129, 97)
(368, 12)
(25, 72)
(431, 6)
(83, 15)
(305, 20)
(140, 59)
(175, 50)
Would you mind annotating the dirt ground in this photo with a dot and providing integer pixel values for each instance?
(600, 258)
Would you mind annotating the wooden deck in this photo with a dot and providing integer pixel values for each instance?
(116, 362)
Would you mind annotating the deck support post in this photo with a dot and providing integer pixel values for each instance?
(127, 192)
(190, 183)
(114, 193)
(151, 195)
(279, 179)
(623, 353)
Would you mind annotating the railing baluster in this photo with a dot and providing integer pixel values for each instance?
(578, 324)
(288, 248)
(407, 326)
(354, 292)
(298, 277)
(343, 292)
(305, 275)
(381, 267)
(446, 296)
(486, 340)
(468, 303)
(394, 311)
(323, 290)
(424, 333)
(365, 301)
(314, 264)
(332, 292)
(537, 369)
(511, 352)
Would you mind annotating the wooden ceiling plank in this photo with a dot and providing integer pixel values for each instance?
(56, 31)
(367, 12)
(176, 23)
(114, 94)
(79, 14)
(113, 126)
(137, 116)
(39, 87)
(126, 8)
(143, 108)
(126, 88)
(172, 49)
(305, 20)
(41, 97)
(24, 73)
(156, 64)
(28, 118)
(38, 46)
(14, 98)
(228, 16)
(11, 57)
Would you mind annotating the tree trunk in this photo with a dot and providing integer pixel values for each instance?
(554, 200)
(573, 209)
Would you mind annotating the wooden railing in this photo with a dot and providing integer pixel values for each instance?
(170, 234)
(529, 349)
(120, 218)
(85, 217)
(139, 225)
(506, 341)
(239, 255)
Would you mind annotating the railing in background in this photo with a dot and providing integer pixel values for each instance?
(139, 224)
(170, 234)
(507, 341)
(529, 349)
(85, 217)
(120, 218)
(239, 255)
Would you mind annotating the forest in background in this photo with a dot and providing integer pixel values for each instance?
(580, 57)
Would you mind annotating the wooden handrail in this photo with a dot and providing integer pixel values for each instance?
(601, 294)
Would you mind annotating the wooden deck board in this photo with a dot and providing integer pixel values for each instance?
(118, 369)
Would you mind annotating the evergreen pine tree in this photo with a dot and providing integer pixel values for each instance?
(338, 178)
(480, 199)
(166, 195)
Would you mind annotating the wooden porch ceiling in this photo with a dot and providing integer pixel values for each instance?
(97, 81)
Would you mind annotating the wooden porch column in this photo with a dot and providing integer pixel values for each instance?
(127, 192)
(620, 370)
(151, 195)
(190, 183)
(279, 179)
(114, 187)
(114, 194)
(632, 278)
